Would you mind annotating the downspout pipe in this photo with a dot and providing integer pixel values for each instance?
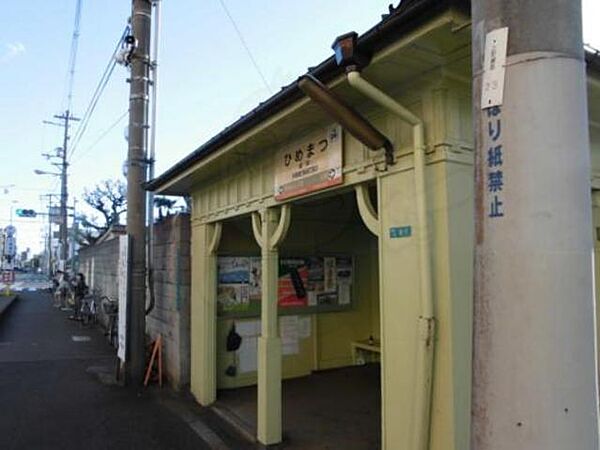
(425, 351)
(345, 115)
(152, 158)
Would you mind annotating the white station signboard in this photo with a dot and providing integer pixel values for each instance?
(310, 164)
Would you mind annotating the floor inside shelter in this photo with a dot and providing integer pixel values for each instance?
(331, 409)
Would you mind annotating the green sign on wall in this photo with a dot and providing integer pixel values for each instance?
(400, 232)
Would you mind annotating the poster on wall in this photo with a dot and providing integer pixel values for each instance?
(288, 332)
(293, 282)
(233, 288)
(248, 351)
(304, 282)
(343, 272)
(255, 277)
(310, 164)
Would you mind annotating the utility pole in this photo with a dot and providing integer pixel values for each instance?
(74, 230)
(49, 237)
(141, 16)
(534, 370)
(64, 196)
(50, 216)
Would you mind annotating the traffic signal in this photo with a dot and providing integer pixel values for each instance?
(26, 213)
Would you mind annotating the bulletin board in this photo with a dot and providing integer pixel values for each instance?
(307, 285)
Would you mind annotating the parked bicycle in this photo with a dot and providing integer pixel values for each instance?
(110, 308)
(89, 307)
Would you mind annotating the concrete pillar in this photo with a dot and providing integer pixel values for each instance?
(203, 348)
(269, 343)
(534, 370)
(596, 237)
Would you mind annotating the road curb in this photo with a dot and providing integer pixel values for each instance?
(214, 431)
(234, 421)
(6, 302)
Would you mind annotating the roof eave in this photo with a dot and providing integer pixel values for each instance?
(379, 36)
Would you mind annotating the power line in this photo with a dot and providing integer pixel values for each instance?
(27, 189)
(101, 137)
(102, 83)
(92, 106)
(243, 41)
(73, 55)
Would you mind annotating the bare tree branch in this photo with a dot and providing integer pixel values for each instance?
(109, 199)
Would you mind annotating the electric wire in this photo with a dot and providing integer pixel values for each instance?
(246, 47)
(70, 77)
(28, 189)
(102, 83)
(92, 106)
(100, 137)
(73, 55)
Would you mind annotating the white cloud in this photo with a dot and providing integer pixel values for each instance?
(11, 50)
(591, 32)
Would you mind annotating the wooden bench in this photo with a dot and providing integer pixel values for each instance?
(364, 347)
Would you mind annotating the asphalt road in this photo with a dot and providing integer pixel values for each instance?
(51, 399)
(29, 282)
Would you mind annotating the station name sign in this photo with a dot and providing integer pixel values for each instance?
(310, 164)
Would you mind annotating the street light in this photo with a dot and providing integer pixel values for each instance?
(42, 172)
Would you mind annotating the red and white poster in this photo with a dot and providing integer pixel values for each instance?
(293, 283)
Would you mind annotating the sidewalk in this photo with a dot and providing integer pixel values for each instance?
(52, 398)
(6, 302)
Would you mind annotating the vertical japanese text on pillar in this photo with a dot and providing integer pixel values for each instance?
(495, 162)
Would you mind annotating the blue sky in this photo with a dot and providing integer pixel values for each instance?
(206, 79)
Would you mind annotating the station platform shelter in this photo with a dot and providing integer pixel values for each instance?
(332, 282)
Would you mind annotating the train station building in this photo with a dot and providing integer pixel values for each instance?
(332, 242)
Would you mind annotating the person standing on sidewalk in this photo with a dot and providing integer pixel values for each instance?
(80, 290)
(56, 279)
(63, 289)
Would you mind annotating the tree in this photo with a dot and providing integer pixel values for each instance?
(109, 199)
(164, 205)
(188, 203)
(88, 231)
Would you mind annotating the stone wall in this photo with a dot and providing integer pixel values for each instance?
(170, 316)
(100, 265)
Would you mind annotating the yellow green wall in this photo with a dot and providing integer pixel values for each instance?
(332, 332)
(228, 192)
(241, 181)
(432, 79)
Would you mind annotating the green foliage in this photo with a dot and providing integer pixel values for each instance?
(164, 205)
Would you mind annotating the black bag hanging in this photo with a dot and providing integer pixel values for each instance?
(234, 340)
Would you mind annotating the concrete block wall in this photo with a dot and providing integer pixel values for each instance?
(100, 265)
(171, 314)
